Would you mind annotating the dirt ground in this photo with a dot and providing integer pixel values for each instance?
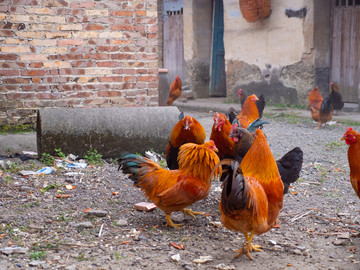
(319, 223)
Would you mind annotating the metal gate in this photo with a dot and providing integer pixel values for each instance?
(345, 60)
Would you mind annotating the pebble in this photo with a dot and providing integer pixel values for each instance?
(121, 222)
(222, 266)
(176, 257)
(97, 213)
(86, 224)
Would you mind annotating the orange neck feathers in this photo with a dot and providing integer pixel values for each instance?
(259, 162)
(198, 160)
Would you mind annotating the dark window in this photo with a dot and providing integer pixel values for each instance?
(357, 2)
(350, 3)
(337, 3)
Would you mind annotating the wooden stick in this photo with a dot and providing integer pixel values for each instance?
(299, 216)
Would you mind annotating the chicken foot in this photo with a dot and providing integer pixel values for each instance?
(191, 212)
(248, 247)
(170, 223)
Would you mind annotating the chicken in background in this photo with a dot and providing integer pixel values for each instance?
(175, 90)
(174, 190)
(220, 135)
(252, 195)
(352, 138)
(289, 165)
(187, 130)
(335, 97)
(252, 109)
(242, 95)
(320, 108)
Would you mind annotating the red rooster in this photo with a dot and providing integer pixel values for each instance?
(220, 135)
(174, 190)
(187, 130)
(175, 90)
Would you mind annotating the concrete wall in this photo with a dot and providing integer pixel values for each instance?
(274, 56)
(76, 54)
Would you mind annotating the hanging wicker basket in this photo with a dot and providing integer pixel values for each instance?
(254, 10)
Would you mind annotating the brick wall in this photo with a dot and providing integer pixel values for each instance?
(76, 53)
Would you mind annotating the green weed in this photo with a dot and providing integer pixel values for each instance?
(60, 153)
(47, 159)
(37, 255)
(5, 129)
(53, 185)
(93, 157)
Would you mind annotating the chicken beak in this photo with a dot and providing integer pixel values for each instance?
(215, 150)
(342, 139)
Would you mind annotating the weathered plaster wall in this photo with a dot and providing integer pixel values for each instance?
(197, 45)
(273, 56)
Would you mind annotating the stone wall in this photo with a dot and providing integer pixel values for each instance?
(63, 53)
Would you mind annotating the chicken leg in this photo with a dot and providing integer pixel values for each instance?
(248, 246)
(191, 212)
(170, 223)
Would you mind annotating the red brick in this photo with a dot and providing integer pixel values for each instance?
(127, 13)
(108, 64)
(13, 65)
(109, 93)
(129, 79)
(146, 78)
(6, 33)
(33, 72)
(122, 28)
(8, 57)
(98, 56)
(107, 48)
(9, 72)
(36, 80)
(124, 71)
(122, 56)
(16, 80)
(36, 65)
(70, 42)
(111, 79)
(140, 12)
(94, 27)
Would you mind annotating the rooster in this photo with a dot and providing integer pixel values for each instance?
(242, 95)
(352, 138)
(252, 195)
(175, 90)
(320, 108)
(335, 97)
(187, 130)
(252, 109)
(220, 135)
(174, 190)
(289, 165)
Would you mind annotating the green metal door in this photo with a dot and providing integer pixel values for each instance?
(218, 80)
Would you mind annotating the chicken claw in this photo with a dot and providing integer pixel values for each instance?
(248, 247)
(170, 223)
(191, 212)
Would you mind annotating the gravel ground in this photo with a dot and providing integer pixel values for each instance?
(319, 223)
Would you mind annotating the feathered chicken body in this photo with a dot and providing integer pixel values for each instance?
(187, 130)
(175, 90)
(320, 108)
(289, 165)
(220, 135)
(252, 195)
(352, 138)
(252, 109)
(174, 190)
(335, 97)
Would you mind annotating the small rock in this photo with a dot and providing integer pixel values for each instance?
(203, 259)
(339, 242)
(86, 224)
(11, 250)
(222, 266)
(144, 206)
(121, 222)
(187, 266)
(216, 224)
(300, 248)
(297, 252)
(272, 242)
(177, 217)
(97, 213)
(176, 257)
(344, 235)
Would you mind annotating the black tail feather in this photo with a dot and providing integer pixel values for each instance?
(290, 166)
